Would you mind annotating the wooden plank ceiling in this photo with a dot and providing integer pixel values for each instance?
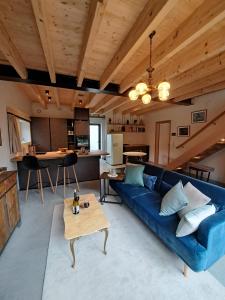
(107, 40)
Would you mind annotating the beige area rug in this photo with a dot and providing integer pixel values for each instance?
(138, 265)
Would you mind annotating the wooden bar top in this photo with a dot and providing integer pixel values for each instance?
(58, 154)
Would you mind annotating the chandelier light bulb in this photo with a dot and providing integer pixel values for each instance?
(163, 86)
(141, 88)
(133, 95)
(163, 95)
(146, 99)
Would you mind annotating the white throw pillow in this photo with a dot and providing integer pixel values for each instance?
(191, 220)
(195, 197)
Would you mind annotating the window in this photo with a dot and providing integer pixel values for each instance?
(95, 137)
(24, 129)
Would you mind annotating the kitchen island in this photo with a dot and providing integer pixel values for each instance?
(87, 168)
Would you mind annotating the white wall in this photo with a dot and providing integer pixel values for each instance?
(10, 96)
(180, 116)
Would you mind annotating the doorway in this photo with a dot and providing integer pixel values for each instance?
(95, 137)
(162, 142)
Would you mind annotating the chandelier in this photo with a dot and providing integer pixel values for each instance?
(144, 90)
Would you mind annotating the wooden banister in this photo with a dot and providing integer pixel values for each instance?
(200, 130)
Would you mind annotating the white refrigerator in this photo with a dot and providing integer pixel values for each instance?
(115, 149)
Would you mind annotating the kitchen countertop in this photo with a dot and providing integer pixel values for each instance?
(58, 154)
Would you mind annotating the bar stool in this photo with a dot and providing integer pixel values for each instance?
(32, 164)
(68, 161)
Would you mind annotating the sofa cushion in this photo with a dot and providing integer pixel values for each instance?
(154, 171)
(216, 193)
(149, 181)
(164, 188)
(174, 200)
(134, 175)
(191, 220)
(195, 198)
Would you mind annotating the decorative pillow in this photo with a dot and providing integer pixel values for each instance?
(191, 220)
(134, 175)
(174, 200)
(149, 181)
(195, 199)
(164, 188)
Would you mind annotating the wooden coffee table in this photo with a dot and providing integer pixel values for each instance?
(88, 221)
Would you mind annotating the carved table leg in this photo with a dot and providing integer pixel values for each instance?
(72, 251)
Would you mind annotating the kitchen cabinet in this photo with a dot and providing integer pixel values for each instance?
(49, 134)
(9, 206)
(40, 134)
(58, 132)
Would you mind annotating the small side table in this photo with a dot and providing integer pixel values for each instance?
(105, 177)
(138, 154)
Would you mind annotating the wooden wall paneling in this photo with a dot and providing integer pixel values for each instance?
(58, 133)
(148, 20)
(95, 15)
(10, 51)
(40, 13)
(204, 18)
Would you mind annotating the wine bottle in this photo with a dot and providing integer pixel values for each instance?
(76, 205)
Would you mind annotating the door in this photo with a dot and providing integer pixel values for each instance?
(95, 137)
(162, 142)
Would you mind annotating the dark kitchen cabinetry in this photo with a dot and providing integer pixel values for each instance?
(81, 127)
(49, 134)
(58, 133)
(40, 133)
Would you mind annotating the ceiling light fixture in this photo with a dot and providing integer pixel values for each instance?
(145, 90)
(49, 99)
(47, 92)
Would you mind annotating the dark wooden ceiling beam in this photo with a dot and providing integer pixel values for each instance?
(36, 77)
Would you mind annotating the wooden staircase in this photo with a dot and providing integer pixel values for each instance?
(205, 142)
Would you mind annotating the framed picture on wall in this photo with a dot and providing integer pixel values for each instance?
(199, 116)
(183, 130)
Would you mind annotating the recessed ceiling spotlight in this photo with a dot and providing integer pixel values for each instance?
(47, 92)
(49, 99)
(80, 101)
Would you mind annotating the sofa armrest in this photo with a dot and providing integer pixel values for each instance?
(211, 234)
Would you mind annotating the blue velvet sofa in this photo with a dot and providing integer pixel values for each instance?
(198, 250)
